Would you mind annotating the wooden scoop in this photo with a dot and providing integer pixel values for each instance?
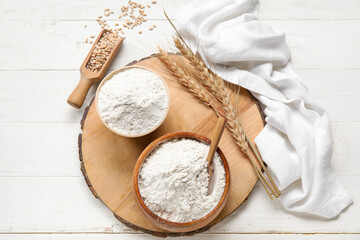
(217, 133)
(88, 77)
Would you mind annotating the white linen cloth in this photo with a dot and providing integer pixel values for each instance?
(296, 142)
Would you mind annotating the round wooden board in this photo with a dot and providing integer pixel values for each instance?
(107, 160)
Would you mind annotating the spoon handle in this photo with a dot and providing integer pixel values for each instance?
(217, 132)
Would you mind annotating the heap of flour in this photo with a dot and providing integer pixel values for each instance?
(133, 101)
(173, 180)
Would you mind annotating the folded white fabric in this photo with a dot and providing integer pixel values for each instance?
(296, 142)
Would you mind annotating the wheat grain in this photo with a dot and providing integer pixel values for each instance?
(102, 50)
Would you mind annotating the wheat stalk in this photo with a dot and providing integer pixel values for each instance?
(236, 129)
(217, 88)
(197, 91)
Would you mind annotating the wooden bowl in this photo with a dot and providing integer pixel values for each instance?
(108, 77)
(176, 226)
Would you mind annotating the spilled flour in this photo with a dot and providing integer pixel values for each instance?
(173, 180)
(133, 101)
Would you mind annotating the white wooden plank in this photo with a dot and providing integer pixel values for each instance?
(346, 138)
(338, 92)
(40, 96)
(50, 149)
(52, 204)
(196, 237)
(90, 9)
(43, 45)
(39, 149)
(330, 45)
(308, 9)
(79, 10)
(326, 45)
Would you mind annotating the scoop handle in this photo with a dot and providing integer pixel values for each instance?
(217, 133)
(78, 95)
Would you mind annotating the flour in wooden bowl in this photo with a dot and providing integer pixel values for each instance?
(173, 180)
(133, 102)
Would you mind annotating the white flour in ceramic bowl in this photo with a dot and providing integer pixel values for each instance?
(133, 102)
(173, 180)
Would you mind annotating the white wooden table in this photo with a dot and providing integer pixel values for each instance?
(42, 192)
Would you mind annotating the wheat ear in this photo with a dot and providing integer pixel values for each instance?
(217, 88)
(184, 79)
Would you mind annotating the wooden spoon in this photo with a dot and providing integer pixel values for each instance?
(88, 77)
(217, 133)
